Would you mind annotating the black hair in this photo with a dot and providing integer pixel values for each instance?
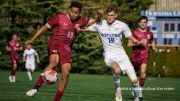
(76, 4)
(142, 18)
(111, 8)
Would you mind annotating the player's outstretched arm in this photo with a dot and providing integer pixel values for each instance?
(132, 41)
(37, 34)
(99, 15)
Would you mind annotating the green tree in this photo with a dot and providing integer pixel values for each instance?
(129, 10)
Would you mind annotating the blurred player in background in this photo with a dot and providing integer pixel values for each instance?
(63, 26)
(110, 32)
(29, 57)
(140, 52)
(13, 47)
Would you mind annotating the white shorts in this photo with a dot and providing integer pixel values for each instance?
(30, 66)
(124, 64)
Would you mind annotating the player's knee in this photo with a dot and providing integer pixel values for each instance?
(135, 81)
(143, 75)
(117, 71)
(65, 75)
(53, 64)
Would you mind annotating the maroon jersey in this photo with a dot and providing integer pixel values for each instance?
(140, 54)
(14, 49)
(63, 28)
(63, 35)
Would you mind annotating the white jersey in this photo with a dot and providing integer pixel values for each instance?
(30, 55)
(111, 36)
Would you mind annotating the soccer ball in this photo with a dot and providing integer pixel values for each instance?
(50, 77)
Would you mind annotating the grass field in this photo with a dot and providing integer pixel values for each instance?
(83, 87)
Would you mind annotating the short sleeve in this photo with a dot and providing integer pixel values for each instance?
(24, 54)
(53, 21)
(152, 37)
(9, 43)
(85, 21)
(134, 34)
(126, 31)
(35, 52)
(93, 28)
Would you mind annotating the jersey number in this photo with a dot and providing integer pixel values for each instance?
(70, 34)
(111, 40)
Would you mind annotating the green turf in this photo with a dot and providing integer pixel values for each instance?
(84, 87)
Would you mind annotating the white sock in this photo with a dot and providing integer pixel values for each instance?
(29, 75)
(116, 81)
(136, 89)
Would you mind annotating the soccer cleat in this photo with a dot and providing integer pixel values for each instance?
(136, 99)
(118, 94)
(31, 92)
(140, 92)
(10, 78)
(13, 79)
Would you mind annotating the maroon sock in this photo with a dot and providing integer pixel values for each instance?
(142, 81)
(58, 95)
(39, 82)
(13, 72)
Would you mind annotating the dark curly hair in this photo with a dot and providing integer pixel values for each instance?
(76, 4)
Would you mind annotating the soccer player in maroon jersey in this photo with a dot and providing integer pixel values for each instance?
(140, 52)
(64, 28)
(13, 48)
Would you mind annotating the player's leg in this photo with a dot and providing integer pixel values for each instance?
(65, 68)
(143, 68)
(28, 69)
(29, 74)
(116, 75)
(12, 77)
(132, 75)
(53, 61)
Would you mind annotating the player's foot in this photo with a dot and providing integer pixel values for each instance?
(136, 99)
(118, 94)
(13, 79)
(31, 92)
(140, 92)
(10, 78)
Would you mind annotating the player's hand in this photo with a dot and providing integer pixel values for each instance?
(8, 49)
(30, 41)
(155, 50)
(143, 42)
(78, 29)
(38, 61)
(99, 13)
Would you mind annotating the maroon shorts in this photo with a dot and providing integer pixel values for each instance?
(14, 58)
(64, 52)
(138, 59)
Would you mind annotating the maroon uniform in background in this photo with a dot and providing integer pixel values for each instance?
(14, 49)
(140, 54)
(64, 34)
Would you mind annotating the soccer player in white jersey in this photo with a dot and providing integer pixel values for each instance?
(29, 57)
(110, 32)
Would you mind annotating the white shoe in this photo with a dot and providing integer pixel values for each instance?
(136, 99)
(13, 78)
(31, 92)
(140, 92)
(10, 78)
(118, 94)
